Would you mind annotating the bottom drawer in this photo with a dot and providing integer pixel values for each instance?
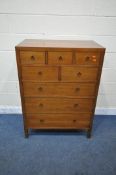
(63, 121)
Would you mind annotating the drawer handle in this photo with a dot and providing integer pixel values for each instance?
(60, 58)
(40, 73)
(41, 120)
(79, 74)
(32, 58)
(76, 105)
(77, 89)
(40, 89)
(94, 58)
(74, 120)
(41, 105)
(87, 58)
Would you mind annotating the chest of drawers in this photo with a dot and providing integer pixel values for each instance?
(59, 83)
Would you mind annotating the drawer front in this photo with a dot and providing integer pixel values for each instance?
(59, 58)
(58, 89)
(79, 74)
(40, 73)
(29, 57)
(80, 121)
(88, 58)
(57, 105)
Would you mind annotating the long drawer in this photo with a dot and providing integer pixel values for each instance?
(80, 120)
(58, 89)
(57, 105)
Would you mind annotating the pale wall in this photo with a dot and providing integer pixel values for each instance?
(57, 19)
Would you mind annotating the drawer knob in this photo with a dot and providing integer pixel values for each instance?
(74, 120)
(40, 89)
(41, 120)
(41, 105)
(94, 58)
(79, 74)
(76, 105)
(87, 58)
(60, 58)
(32, 58)
(77, 89)
(39, 73)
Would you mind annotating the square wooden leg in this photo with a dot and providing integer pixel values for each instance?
(89, 132)
(26, 131)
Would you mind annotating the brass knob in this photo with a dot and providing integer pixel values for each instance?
(40, 105)
(32, 58)
(39, 73)
(79, 74)
(77, 89)
(40, 88)
(94, 58)
(76, 105)
(41, 120)
(60, 58)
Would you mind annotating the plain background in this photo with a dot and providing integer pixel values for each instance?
(57, 19)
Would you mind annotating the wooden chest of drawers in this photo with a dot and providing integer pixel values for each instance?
(59, 83)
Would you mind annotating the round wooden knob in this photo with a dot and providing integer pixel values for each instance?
(76, 105)
(40, 89)
(41, 120)
(79, 74)
(39, 73)
(32, 58)
(60, 58)
(87, 58)
(77, 89)
(74, 120)
(40, 105)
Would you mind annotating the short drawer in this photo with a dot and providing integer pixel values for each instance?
(58, 89)
(77, 121)
(59, 58)
(79, 74)
(57, 105)
(39, 73)
(88, 58)
(29, 57)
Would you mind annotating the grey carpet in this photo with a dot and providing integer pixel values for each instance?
(57, 153)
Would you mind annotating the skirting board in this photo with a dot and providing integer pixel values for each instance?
(17, 110)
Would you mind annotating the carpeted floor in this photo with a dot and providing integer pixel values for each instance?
(57, 153)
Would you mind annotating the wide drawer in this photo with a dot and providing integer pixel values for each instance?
(57, 105)
(79, 74)
(40, 73)
(59, 58)
(58, 89)
(30, 57)
(74, 121)
(77, 121)
(88, 58)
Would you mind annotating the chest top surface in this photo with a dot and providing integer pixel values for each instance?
(36, 43)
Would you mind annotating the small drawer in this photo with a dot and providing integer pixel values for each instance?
(39, 73)
(29, 57)
(57, 105)
(59, 58)
(88, 58)
(79, 74)
(74, 121)
(58, 89)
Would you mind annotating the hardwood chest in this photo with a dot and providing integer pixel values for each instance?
(59, 83)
